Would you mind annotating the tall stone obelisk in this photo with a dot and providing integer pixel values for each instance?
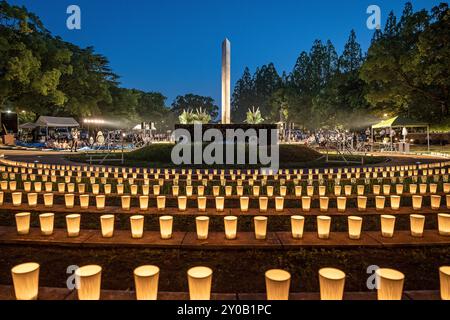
(226, 81)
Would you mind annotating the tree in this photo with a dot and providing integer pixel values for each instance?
(352, 58)
(243, 96)
(193, 102)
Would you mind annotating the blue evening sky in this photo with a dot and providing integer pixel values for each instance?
(174, 46)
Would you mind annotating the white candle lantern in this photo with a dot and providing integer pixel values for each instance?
(417, 203)
(220, 204)
(260, 228)
(435, 202)
(202, 225)
(332, 282)
(146, 280)
(46, 221)
(137, 226)
(182, 203)
(73, 225)
(395, 202)
(324, 201)
(126, 202)
(279, 204)
(278, 284)
(165, 227)
(417, 222)
(387, 226)
(390, 284)
(444, 280)
(230, 223)
(297, 226)
(201, 204)
(143, 203)
(88, 279)
(341, 204)
(444, 224)
(84, 201)
(354, 227)
(26, 281)
(23, 223)
(17, 199)
(380, 202)
(107, 225)
(199, 282)
(263, 204)
(323, 227)
(306, 204)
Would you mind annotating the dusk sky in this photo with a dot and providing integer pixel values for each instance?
(174, 46)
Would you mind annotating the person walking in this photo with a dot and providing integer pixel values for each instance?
(75, 137)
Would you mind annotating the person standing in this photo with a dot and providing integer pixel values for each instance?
(75, 137)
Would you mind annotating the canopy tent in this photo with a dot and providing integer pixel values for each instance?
(56, 122)
(402, 122)
(27, 126)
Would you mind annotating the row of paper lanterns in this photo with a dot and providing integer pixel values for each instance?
(417, 224)
(306, 201)
(278, 282)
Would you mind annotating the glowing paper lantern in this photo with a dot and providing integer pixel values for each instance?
(73, 225)
(84, 201)
(260, 228)
(306, 204)
(395, 202)
(417, 225)
(165, 227)
(435, 202)
(107, 225)
(433, 188)
(399, 189)
(46, 221)
(126, 202)
(220, 204)
(423, 188)
(323, 227)
(387, 189)
(119, 189)
(202, 225)
(337, 191)
(444, 224)
(201, 204)
(297, 226)
(199, 281)
(230, 227)
(146, 280)
(256, 191)
(380, 202)
(324, 201)
(354, 227)
(376, 189)
(134, 189)
(143, 203)
(182, 203)
(216, 191)
(279, 204)
(417, 203)
(48, 186)
(332, 282)
(26, 281)
(269, 190)
(244, 202)
(341, 204)
(310, 191)
(23, 223)
(390, 284)
(278, 283)
(89, 282)
(137, 226)
(189, 191)
(444, 279)
(360, 190)
(263, 204)
(32, 199)
(413, 188)
(387, 226)
(17, 199)
(27, 186)
(298, 191)
(81, 188)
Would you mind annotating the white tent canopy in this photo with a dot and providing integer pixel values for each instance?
(57, 122)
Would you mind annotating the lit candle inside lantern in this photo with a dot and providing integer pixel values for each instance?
(323, 227)
(433, 188)
(216, 191)
(279, 204)
(201, 204)
(137, 226)
(134, 189)
(380, 202)
(444, 279)
(126, 202)
(84, 201)
(107, 225)
(322, 191)
(48, 200)
(161, 203)
(156, 189)
(4, 185)
(390, 284)
(298, 191)
(297, 226)
(165, 227)
(26, 281)
(269, 191)
(202, 225)
(260, 228)
(46, 221)
(386, 189)
(387, 226)
(423, 188)
(32, 199)
(413, 188)
(220, 204)
(244, 202)
(81, 188)
(73, 225)
(354, 227)
(348, 190)
(12, 185)
(324, 201)
(337, 191)
(240, 191)
(435, 202)
(182, 203)
(146, 280)
(332, 282)
(417, 225)
(89, 280)
(399, 189)
(278, 283)
(376, 189)
(100, 202)
(256, 191)
(310, 191)
(395, 202)
(417, 202)
(49, 186)
(69, 200)
(446, 187)
(230, 227)
(143, 203)
(341, 204)
(263, 204)
(306, 204)
(23, 223)
(17, 199)
(199, 281)
(444, 224)
(283, 191)
(189, 191)
(361, 189)
(27, 186)
(145, 189)
(228, 191)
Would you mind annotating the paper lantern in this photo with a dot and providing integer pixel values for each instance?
(202, 225)
(386, 189)
(26, 281)
(244, 202)
(143, 203)
(413, 188)
(376, 189)
(73, 225)
(165, 227)
(12, 185)
(444, 279)
(32, 199)
(417, 203)
(49, 186)
(4, 185)
(189, 191)
(46, 221)
(182, 203)
(423, 188)
(278, 283)
(201, 204)
(146, 280)
(433, 188)
(341, 204)
(380, 202)
(23, 223)
(126, 202)
(84, 201)
(354, 227)
(240, 191)
(323, 227)
(399, 189)
(395, 202)
(310, 191)
(216, 191)
(444, 224)
(435, 202)
(298, 191)
(306, 204)
(81, 188)
(337, 191)
(89, 280)
(48, 200)
(69, 200)
(220, 204)
(256, 191)
(27, 186)
(260, 228)
(269, 191)
(263, 204)
(390, 284)
(199, 282)
(279, 204)
(360, 190)
(134, 189)
(297, 226)
(446, 187)
(230, 227)
(200, 191)
(17, 199)
(100, 202)
(387, 226)
(137, 226)
(332, 282)
(107, 225)
(324, 201)
(417, 225)
(322, 191)
(119, 189)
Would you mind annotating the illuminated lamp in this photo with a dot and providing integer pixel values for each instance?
(435, 202)
(202, 225)
(331, 282)
(146, 280)
(161, 203)
(278, 283)
(387, 226)
(324, 202)
(444, 279)
(390, 284)
(230, 223)
(23, 223)
(84, 201)
(165, 227)
(417, 203)
(137, 226)
(89, 280)
(380, 202)
(220, 204)
(73, 225)
(417, 222)
(323, 227)
(107, 225)
(69, 199)
(444, 224)
(395, 202)
(260, 227)
(46, 221)
(297, 226)
(306, 204)
(26, 281)
(341, 204)
(199, 282)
